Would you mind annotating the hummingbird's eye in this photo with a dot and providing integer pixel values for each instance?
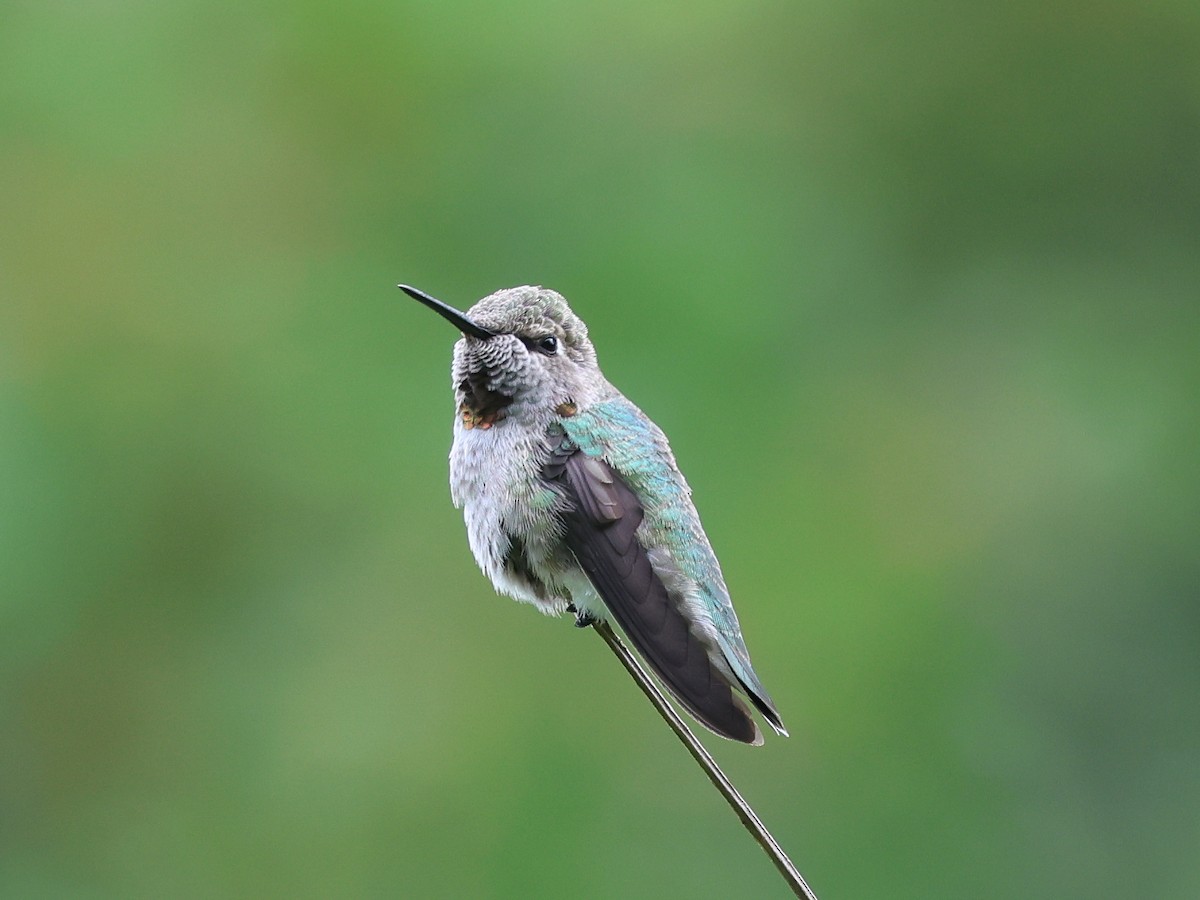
(548, 344)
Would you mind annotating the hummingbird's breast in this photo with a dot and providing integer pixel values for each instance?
(510, 512)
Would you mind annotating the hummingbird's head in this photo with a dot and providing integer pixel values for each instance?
(522, 350)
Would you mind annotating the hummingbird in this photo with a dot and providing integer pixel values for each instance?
(573, 502)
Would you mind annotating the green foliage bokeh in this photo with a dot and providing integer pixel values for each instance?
(913, 288)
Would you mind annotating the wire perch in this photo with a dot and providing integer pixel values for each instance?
(722, 783)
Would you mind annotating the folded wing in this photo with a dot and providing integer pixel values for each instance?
(601, 531)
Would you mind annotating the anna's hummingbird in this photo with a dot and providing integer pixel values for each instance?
(573, 501)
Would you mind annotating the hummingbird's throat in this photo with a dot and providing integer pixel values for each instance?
(481, 407)
(482, 421)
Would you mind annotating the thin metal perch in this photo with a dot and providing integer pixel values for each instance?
(722, 783)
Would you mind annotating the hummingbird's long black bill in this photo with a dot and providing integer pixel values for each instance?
(449, 313)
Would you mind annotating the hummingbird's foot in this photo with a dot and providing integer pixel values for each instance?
(582, 619)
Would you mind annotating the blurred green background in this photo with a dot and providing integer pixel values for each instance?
(914, 289)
